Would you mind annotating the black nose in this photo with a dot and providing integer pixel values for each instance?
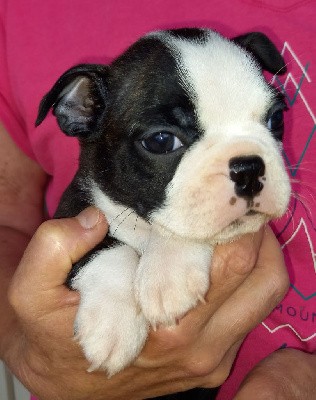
(245, 172)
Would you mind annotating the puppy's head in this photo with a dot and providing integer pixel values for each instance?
(183, 129)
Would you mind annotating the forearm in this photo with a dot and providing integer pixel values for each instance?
(12, 246)
(22, 184)
(286, 374)
(300, 382)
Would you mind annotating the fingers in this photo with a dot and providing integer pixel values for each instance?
(253, 300)
(214, 377)
(256, 292)
(231, 265)
(56, 245)
(247, 282)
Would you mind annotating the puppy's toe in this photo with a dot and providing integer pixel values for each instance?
(109, 326)
(111, 337)
(170, 299)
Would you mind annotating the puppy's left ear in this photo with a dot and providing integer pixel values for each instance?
(263, 50)
(79, 99)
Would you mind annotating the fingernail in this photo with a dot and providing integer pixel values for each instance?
(89, 217)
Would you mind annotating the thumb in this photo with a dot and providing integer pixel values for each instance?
(54, 248)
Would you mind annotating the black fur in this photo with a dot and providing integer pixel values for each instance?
(163, 105)
(189, 34)
(70, 118)
(116, 108)
(263, 50)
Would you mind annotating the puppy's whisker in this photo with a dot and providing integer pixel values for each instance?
(301, 168)
(118, 215)
(281, 85)
(288, 214)
(123, 220)
(303, 200)
(274, 76)
(135, 222)
(291, 215)
(300, 197)
(304, 185)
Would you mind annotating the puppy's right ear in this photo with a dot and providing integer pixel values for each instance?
(263, 50)
(78, 99)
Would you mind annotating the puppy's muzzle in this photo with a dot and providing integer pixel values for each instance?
(245, 172)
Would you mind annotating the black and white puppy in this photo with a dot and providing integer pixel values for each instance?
(181, 149)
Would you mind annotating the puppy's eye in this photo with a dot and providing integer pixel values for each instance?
(161, 143)
(276, 121)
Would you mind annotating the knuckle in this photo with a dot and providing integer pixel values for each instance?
(219, 376)
(243, 258)
(48, 231)
(200, 367)
(278, 286)
(14, 296)
(18, 300)
(213, 371)
(18, 295)
(50, 235)
(237, 259)
(244, 261)
(208, 372)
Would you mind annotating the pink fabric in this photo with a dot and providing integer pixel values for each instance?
(40, 39)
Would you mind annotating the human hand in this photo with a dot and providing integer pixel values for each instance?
(286, 374)
(197, 352)
(248, 279)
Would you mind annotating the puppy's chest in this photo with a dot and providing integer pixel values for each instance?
(125, 224)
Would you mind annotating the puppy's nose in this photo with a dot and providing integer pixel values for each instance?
(245, 172)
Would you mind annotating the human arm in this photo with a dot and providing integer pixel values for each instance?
(198, 352)
(37, 342)
(22, 185)
(286, 374)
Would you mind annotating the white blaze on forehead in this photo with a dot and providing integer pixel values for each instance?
(231, 100)
(223, 79)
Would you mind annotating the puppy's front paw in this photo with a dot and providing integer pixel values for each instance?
(110, 335)
(109, 325)
(171, 278)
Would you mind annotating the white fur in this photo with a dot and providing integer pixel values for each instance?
(167, 285)
(110, 326)
(124, 224)
(173, 275)
(231, 98)
(162, 271)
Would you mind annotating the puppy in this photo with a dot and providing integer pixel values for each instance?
(181, 149)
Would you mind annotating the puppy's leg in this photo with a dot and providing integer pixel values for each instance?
(109, 326)
(173, 275)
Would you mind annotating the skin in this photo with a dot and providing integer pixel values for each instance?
(287, 374)
(37, 311)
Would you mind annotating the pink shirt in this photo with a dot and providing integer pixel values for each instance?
(39, 40)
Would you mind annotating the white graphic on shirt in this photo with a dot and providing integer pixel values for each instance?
(290, 78)
(301, 224)
(302, 229)
(289, 326)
